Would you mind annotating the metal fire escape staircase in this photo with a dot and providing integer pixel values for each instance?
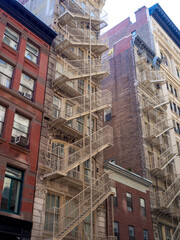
(81, 107)
(80, 69)
(159, 163)
(80, 37)
(170, 194)
(176, 234)
(60, 166)
(72, 213)
(74, 11)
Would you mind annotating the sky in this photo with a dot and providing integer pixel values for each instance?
(119, 10)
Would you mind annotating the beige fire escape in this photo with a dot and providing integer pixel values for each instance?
(156, 127)
(80, 27)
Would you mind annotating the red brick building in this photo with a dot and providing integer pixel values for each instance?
(129, 209)
(24, 49)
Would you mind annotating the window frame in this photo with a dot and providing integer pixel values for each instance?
(29, 51)
(14, 128)
(132, 228)
(11, 189)
(142, 208)
(9, 77)
(116, 234)
(26, 87)
(50, 211)
(147, 236)
(2, 122)
(129, 200)
(9, 37)
(57, 109)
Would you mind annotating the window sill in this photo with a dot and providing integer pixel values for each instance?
(19, 148)
(2, 140)
(34, 65)
(10, 214)
(9, 48)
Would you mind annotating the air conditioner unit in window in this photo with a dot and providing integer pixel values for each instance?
(21, 141)
(27, 95)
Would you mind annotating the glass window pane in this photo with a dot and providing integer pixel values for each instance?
(6, 68)
(15, 194)
(11, 172)
(2, 113)
(12, 34)
(32, 49)
(6, 193)
(27, 81)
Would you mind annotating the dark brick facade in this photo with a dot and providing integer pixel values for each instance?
(128, 150)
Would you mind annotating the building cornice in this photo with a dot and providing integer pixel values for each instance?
(165, 22)
(29, 20)
(127, 174)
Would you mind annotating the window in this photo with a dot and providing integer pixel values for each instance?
(26, 87)
(107, 115)
(171, 105)
(69, 110)
(2, 117)
(175, 109)
(168, 235)
(81, 53)
(178, 128)
(80, 123)
(11, 38)
(55, 152)
(177, 72)
(167, 85)
(12, 189)
(142, 207)
(129, 202)
(6, 73)
(175, 92)
(145, 235)
(81, 86)
(171, 88)
(160, 232)
(92, 125)
(178, 147)
(133, 33)
(131, 233)
(52, 201)
(164, 58)
(20, 126)
(115, 199)
(57, 104)
(32, 52)
(87, 170)
(179, 111)
(116, 230)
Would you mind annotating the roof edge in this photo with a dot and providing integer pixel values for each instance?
(28, 19)
(122, 171)
(165, 22)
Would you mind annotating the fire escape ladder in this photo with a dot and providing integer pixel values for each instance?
(79, 69)
(63, 165)
(73, 10)
(176, 234)
(81, 107)
(170, 194)
(72, 213)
